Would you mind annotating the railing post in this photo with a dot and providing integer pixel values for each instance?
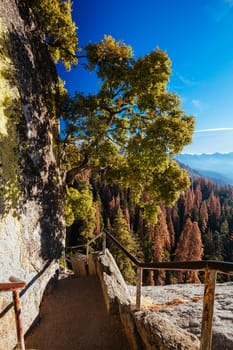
(18, 320)
(104, 242)
(208, 309)
(138, 288)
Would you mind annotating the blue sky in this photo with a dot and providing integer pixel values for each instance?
(198, 37)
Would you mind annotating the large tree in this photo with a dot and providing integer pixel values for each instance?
(131, 129)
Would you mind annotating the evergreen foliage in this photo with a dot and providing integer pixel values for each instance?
(55, 19)
(80, 208)
(129, 131)
(121, 231)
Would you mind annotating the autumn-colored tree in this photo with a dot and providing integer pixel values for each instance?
(161, 245)
(170, 226)
(214, 209)
(214, 205)
(176, 220)
(203, 216)
(188, 202)
(189, 248)
(198, 196)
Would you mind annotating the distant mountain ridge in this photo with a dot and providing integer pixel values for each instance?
(218, 167)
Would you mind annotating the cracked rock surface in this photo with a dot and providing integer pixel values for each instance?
(181, 304)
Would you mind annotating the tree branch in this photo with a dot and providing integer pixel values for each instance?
(72, 173)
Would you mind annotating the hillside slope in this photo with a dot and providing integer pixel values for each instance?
(217, 166)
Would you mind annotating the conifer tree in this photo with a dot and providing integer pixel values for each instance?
(189, 248)
(188, 202)
(170, 226)
(161, 245)
(121, 231)
(209, 246)
(198, 196)
(203, 216)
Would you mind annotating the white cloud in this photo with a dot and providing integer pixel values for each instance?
(214, 130)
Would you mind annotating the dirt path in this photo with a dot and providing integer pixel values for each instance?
(74, 317)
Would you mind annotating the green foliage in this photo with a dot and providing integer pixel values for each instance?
(126, 238)
(79, 207)
(148, 244)
(133, 126)
(55, 19)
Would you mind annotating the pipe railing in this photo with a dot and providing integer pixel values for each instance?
(88, 244)
(13, 286)
(211, 269)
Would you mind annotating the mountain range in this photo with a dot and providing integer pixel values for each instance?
(217, 167)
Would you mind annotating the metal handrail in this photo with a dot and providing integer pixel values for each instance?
(219, 266)
(210, 267)
(87, 245)
(13, 286)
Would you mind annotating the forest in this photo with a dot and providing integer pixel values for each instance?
(116, 155)
(198, 227)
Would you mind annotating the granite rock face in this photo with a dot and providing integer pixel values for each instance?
(181, 306)
(145, 329)
(31, 219)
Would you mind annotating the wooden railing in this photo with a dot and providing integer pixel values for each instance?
(13, 286)
(211, 268)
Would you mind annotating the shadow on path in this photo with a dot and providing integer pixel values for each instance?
(74, 317)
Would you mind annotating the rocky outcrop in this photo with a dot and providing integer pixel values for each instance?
(31, 219)
(159, 333)
(115, 290)
(181, 306)
(116, 295)
(145, 329)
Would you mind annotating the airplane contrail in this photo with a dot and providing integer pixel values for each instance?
(213, 130)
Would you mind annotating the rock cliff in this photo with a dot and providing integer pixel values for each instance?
(31, 218)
